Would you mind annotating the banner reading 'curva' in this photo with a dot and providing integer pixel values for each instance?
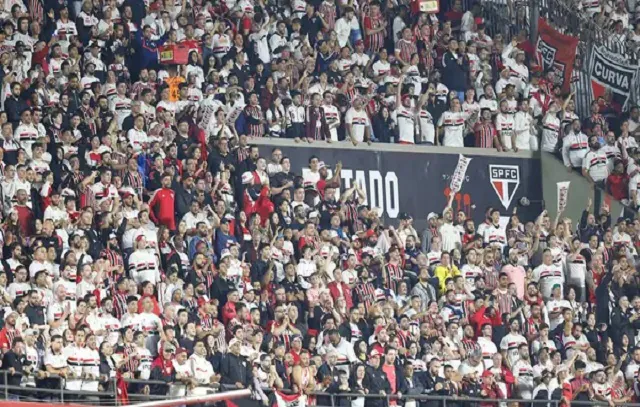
(610, 72)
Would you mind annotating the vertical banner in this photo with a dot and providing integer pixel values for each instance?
(610, 72)
(458, 175)
(556, 52)
(563, 195)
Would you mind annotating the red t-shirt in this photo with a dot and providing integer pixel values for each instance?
(390, 371)
(618, 185)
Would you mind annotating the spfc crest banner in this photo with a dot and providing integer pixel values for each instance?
(556, 52)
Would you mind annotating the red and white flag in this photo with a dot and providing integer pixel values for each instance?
(290, 400)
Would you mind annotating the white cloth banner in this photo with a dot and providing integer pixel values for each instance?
(458, 175)
(563, 195)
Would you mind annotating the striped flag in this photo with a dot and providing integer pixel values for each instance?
(36, 11)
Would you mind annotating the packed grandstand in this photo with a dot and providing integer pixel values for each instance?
(151, 246)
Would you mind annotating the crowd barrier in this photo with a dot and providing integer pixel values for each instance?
(29, 398)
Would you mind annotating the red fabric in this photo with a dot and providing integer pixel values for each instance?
(262, 206)
(122, 395)
(479, 318)
(228, 312)
(567, 395)
(26, 220)
(5, 343)
(40, 58)
(565, 47)
(166, 365)
(618, 186)
(491, 392)
(346, 293)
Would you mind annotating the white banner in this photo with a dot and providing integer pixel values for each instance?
(563, 195)
(458, 175)
(290, 400)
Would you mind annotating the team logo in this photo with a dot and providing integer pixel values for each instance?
(505, 180)
(546, 55)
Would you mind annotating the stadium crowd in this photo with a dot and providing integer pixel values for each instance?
(144, 236)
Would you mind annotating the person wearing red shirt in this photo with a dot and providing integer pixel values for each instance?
(490, 388)
(393, 373)
(618, 182)
(26, 219)
(9, 332)
(339, 288)
(162, 204)
(229, 309)
(484, 315)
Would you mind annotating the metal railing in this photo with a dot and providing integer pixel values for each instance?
(26, 392)
(101, 398)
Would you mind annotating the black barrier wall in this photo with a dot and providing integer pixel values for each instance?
(417, 180)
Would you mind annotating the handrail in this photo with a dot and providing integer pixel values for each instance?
(63, 392)
(387, 397)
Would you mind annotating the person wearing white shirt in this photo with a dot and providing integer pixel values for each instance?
(487, 346)
(595, 164)
(306, 267)
(510, 344)
(344, 25)
(549, 276)
(494, 234)
(405, 117)
(523, 372)
(201, 369)
(575, 146)
(523, 128)
(449, 234)
(278, 40)
(195, 216)
(357, 123)
(514, 60)
(143, 266)
(452, 124)
(505, 124)
(550, 129)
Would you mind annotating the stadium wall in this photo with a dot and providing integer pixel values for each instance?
(580, 190)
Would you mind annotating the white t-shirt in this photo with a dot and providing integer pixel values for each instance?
(510, 344)
(547, 277)
(453, 124)
(427, 130)
(359, 120)
(406, 124)
(505, 125)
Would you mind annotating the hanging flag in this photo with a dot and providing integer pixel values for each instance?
(458, 175)
(611, 72)
(556, 52)
(563, 195)
(290, 400)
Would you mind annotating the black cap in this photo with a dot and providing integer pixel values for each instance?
(405, 216)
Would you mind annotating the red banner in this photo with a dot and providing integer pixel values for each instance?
(178, 53)
(556, 52)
